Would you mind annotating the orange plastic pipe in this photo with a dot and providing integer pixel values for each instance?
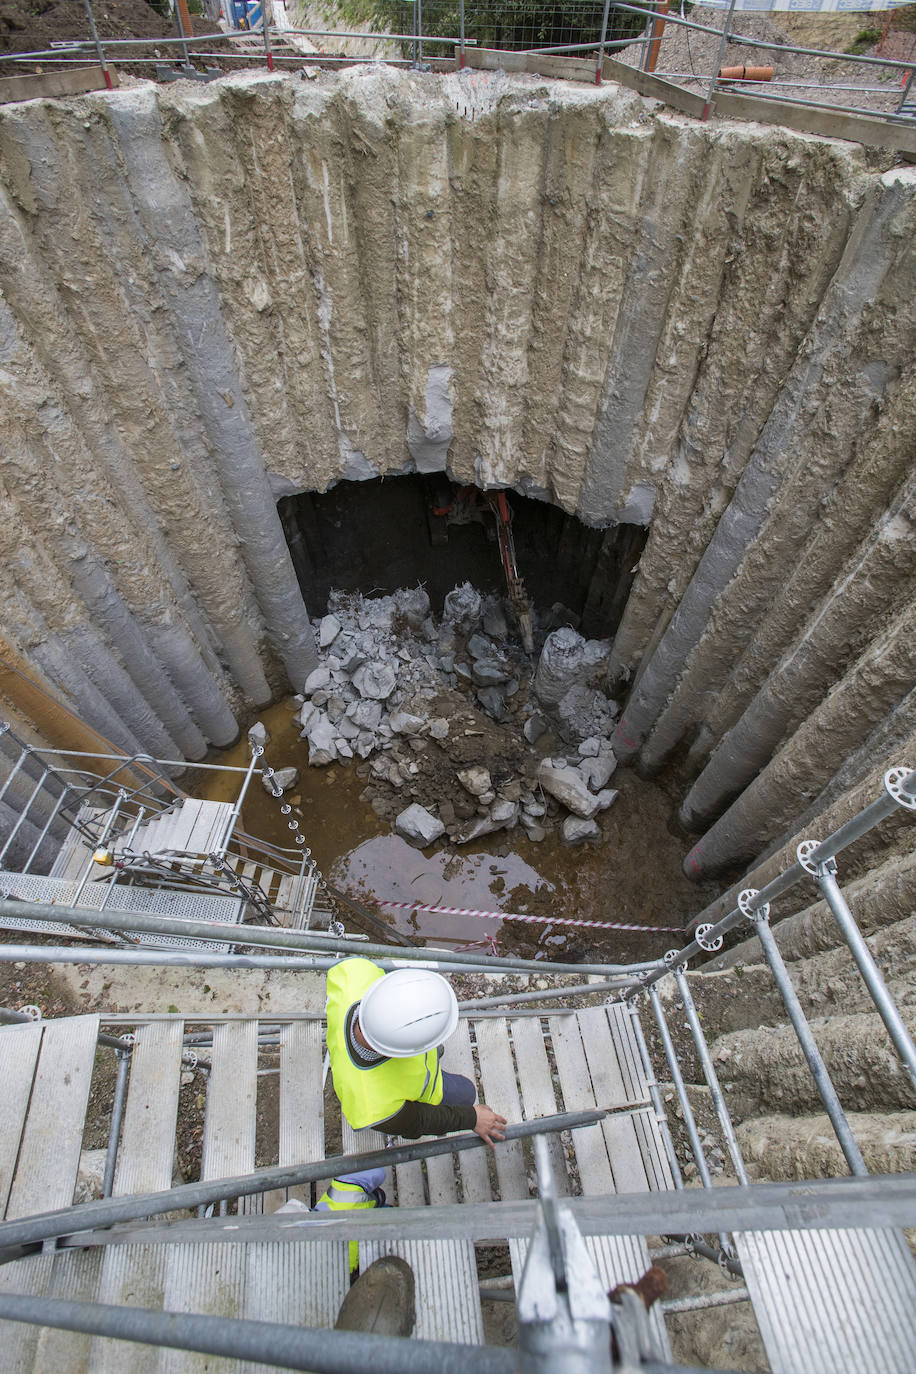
(745, 73)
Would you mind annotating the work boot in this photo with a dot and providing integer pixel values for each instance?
(382, 1300)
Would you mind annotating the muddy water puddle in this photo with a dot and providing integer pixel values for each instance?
(633, 876)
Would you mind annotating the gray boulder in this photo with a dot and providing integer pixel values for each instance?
(481, 647)
(259, 735)
(318, 678)
(534, 727)
(418, 826)
(576, 830)
(475, 780)
(284, 778)
(598, 771)
(375, 681)
(487, 672)
(607, 798)
(492, 701)
(321, 737)
(403, 723)
(366, 714)
(328, 631)
(569, 787)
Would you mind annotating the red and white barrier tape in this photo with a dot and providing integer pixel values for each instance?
(517, 916)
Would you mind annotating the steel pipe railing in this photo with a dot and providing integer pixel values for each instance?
(275, 938)
(88, 1216)
(661, 1118)
(709, 1073)
(290, 1347)
(825, 877)
(818, 1068)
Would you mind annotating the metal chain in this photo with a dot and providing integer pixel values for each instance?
(335, 926)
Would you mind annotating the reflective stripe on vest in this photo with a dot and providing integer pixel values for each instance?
(347, 1197)
(370, 1093)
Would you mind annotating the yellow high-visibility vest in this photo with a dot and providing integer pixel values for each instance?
(370, 1093)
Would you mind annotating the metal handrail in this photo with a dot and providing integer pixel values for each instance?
(292, 940)
(66, 1221)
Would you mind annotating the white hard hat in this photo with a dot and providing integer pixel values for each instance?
(408, 1012)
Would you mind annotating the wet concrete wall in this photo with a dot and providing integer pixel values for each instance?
(211, 298)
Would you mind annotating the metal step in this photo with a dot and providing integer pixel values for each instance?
(194, 827)
(75, 853)
(194, 906)
(832, 1302)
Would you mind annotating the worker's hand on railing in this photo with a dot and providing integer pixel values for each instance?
(489, 1124)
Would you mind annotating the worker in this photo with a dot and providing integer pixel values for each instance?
(385, 1037)
(353, 1192)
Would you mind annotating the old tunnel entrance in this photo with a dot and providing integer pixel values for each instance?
(377, 536)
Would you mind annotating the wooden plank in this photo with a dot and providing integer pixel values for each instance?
(19, 1046)
(147, 1150)
(607, 1081)
(49, 1155)
(500, 1088)
(54, 84)
(538, 1095)
(229, 1125)
(653, 86)
(873, 131)
(578, 1094)
(135, 1276)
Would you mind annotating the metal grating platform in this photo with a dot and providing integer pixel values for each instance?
(31, 887)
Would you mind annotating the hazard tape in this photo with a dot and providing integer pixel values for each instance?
(517, 916)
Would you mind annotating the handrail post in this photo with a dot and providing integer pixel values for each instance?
(828, 1094)
(824, 875)
(98, 46)
(715, 71)
(600, 62)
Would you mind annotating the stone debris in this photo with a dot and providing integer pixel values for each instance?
(418, 826)
(259, 735)
(284, 778)
(442, 716)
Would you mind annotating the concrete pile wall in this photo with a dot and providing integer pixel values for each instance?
(211, 297)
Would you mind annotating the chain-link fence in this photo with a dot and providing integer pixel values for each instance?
(510, 25)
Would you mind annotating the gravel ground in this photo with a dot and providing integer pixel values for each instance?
(688, 57)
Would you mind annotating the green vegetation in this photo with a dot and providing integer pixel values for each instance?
(507, 24)
(864, 39)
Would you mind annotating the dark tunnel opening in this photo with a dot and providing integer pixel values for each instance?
(377, 536)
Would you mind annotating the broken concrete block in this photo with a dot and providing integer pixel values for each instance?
(504, 813)
(560, 665)
(321, 737)
(598, 771)
(375, 681)
(413, 605)
(284, 778)
(475, 780)
(418, 826)
(607, 798)
(590, 747)
(575, 830)
(569, 787)
(328, 631)
(536, 833)
(481, 647)
(317, 679)
(492, 701)
(403, 723)
(259, 735)
(438, 728)
(462, 606)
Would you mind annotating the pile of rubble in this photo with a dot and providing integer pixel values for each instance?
(446, 717)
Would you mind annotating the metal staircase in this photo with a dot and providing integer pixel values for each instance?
(131, 836)
(230, 1272)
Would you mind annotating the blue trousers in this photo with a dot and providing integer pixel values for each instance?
(458, 1091)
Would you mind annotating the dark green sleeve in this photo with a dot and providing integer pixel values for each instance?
(422, 1118)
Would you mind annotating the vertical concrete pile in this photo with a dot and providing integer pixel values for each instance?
(214, 297)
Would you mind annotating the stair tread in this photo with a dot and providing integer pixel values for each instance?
(19, 1046)
(864, 1283)
(229, 1128)
(447, 1292)
(501, 1092)
(147, 1149)
(538, 1094)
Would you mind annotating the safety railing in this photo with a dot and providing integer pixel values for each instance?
(816, 860)
(415, 32)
